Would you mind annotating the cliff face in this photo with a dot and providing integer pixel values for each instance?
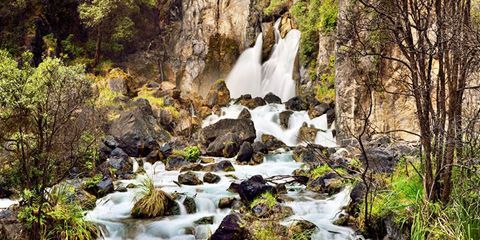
(203, 39)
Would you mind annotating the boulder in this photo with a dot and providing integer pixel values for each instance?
(137, 131)
(301, 227)
(245, 114)
(245, 153)
(165, 86)
(330, 116)
(11, 228)
(222, 166)
(224, 146)
(117, 81)
(285, 118)
(211, 178)
(189, 178)
(204, 220)
(102, 188)
(268, 33)
(272, 98)
(318, 110)
(312, 156)
(380, 159)
(253, 188)
(243, 128)
(231, 228)
(175, 162)
(329, 183)
(190, 205)
(118, 162)
(272, 142)
(226, 202)
(307, 134)
(219, 95)
(296, 104)
(154, 156)
(252, 103)
(192, 167)
(259, 147)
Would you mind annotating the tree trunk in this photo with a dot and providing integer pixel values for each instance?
(98, 47)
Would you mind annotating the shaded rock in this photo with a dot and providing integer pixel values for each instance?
(224, 146)
(272, 142)
(219, 95)
(253, 188)
(211, 178)
(137, 131)
(166, 150)
(117, 81)
(261, 210)
(285, 118)
(231, 228)
(257, 158)
(245, 114)
(175, 163)
(318, 110)
(204, 220)
(190, 205)
(268, 33)
(102, 188)
(204, 112)
(272, 98)
(242, 128)
(252, 103)
(224, 165)
(245, 153)
(330, 117)
(110, 142)
(11, 228)
(121, 189)
(307, 134)
(192, 167)
(312, 156)
(259, 147)
(380, 159)
(154, 156)
(329, 183)
(226, 202)
(296, 104)
(118, 164)
(207, 160)
(189, 178)
(301, 226)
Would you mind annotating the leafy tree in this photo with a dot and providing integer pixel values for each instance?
(47, 123)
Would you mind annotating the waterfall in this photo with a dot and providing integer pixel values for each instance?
(249, 76)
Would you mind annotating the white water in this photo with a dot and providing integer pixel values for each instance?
(267, 121)
(249, 76)
(5, 203)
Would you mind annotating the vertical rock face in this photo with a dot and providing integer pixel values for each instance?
(204, 39)
(392, 109)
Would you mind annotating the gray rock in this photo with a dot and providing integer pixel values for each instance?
(189, 178)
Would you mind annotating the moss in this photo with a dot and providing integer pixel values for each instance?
(92, 181)
(274, 5)
(266, 198)
(324, 169)
(149, 95)
(269, 230)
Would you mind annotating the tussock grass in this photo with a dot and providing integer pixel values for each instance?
(153, 203)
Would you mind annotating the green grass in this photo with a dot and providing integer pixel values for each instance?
(324, 169)
(192, 153)
(152, 203)
(274, 5)
(266, 198)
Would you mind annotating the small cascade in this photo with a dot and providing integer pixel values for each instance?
(249, 76)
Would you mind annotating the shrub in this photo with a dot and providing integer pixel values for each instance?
(192, 153)
(153, 201)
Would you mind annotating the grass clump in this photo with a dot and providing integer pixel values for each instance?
(266, 198)
(61, 218)
(149, 95)
(153, 203)
(324, 169)
(192, 153)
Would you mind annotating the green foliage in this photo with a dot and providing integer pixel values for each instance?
(274, 5)
(61, 218)
(93, 181)
(314, 16)
(192, 153)
(325, 93)
(324, 169)
(305, 235)
(265, 230)
(152, 203)
(266, 198)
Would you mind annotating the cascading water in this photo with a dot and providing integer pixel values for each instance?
(249, 76)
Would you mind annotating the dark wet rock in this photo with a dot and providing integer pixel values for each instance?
(253, 188)
(110, 142)
(253, 102)
(176, 162)
(211, 178)
(137, 131)
(285, 118)
(307, 134)
(257, 158)
(245, 153)
(231, 228)
(173, 208)
(357, 196)
(121, 189)
(259, 147)
(204, 220)
(272, 142)
(222, 166)
(190, 205)
(245, 114)
(102, 188)
(154, 156)
(166, 149)
(312, 156)
(329, 183)
(296, 104)
(11, 228)
(226, 202)
(118, 164)
(234, 187)
(318, 110)
(301, 226)
(103, 152)
(242, 128)
(380, 159)
(224, 146)
(272, 98)
(189, 178)
(192, 167)
(218, 95)
(330, 117)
